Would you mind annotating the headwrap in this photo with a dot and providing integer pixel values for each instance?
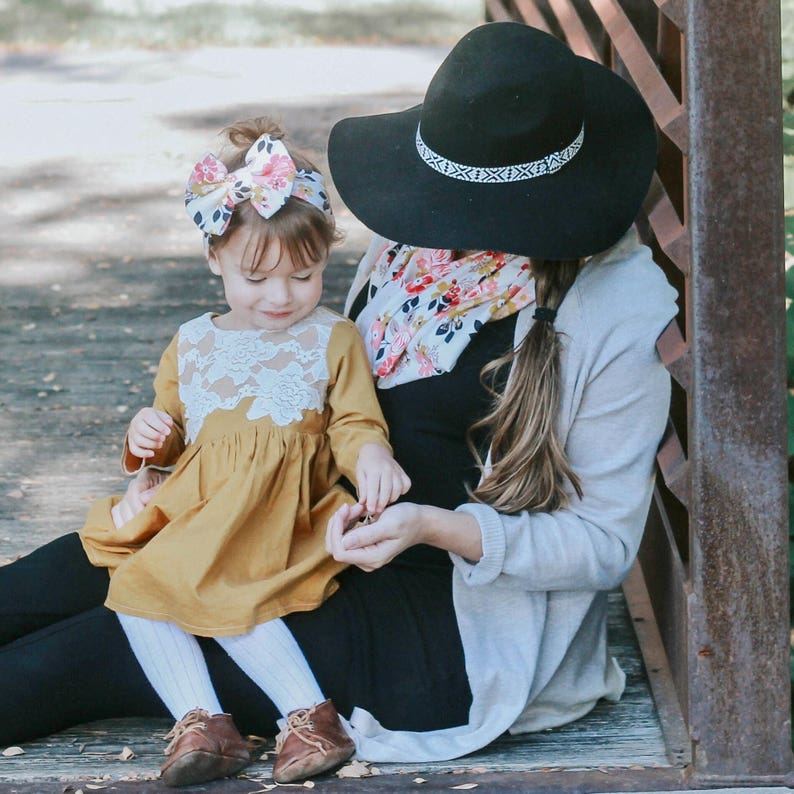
(268, 178)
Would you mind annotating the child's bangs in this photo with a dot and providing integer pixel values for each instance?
(302, 233)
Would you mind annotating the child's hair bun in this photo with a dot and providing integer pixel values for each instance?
(242, 134)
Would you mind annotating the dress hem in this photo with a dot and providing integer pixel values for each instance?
(222, 631)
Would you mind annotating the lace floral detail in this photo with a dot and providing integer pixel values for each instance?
(286, 372)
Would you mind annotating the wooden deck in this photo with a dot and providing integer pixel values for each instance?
(626, 735)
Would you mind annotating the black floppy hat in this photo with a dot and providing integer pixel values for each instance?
(520, 146)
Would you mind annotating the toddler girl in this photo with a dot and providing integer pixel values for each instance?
(259, 410)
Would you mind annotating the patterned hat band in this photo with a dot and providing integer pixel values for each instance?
(500, 174)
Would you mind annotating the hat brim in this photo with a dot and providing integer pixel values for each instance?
(582, 209)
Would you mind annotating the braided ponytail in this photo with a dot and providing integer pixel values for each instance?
(528, 466)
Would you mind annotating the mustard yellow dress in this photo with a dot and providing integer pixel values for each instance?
(264, 424)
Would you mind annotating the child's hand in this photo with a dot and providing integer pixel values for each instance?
(380, 478)
(139, 493)
(148, 431)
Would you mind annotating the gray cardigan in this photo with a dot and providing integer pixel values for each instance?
(532, 610)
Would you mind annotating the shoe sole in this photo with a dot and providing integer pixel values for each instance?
(200, 767)
(324, 763)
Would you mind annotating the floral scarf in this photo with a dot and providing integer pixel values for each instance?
(424, 307)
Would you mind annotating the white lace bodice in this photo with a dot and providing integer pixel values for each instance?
(286, 372)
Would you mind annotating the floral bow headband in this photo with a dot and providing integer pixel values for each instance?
(268, 178)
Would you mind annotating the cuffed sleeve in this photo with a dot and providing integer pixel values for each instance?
(355, 417)
(494, 546)
(166, 398)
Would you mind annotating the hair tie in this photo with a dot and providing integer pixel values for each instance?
(544, 314)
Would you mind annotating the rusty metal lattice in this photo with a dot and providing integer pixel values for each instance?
(716, 548)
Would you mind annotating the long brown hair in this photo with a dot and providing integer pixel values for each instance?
(528, 466)
(304, 232)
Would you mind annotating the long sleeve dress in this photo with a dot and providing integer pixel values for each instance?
(265, 422)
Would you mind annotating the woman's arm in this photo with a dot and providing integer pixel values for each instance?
(371, 546)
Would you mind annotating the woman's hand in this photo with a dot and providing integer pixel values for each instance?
(371, 546)
(138, 495)
(147, 432)
(381, 480)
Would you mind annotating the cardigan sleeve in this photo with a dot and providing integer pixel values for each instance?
(166, 398)
(620, 404)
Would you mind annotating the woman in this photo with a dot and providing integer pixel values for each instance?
(490, 584)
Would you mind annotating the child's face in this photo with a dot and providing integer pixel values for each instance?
(274, 296)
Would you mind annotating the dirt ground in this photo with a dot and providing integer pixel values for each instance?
(99, 262)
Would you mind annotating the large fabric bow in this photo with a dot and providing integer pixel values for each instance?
(267, 180)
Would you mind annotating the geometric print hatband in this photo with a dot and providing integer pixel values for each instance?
(507, 173)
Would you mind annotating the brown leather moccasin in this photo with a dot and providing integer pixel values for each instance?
(203, 748)
(313, 741)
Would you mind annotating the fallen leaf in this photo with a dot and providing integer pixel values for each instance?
(353, 769)
(126, 754)
(465, 786)
(9, 751)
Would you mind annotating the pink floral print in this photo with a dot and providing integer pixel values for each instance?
(425, 306)
(267, 179)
